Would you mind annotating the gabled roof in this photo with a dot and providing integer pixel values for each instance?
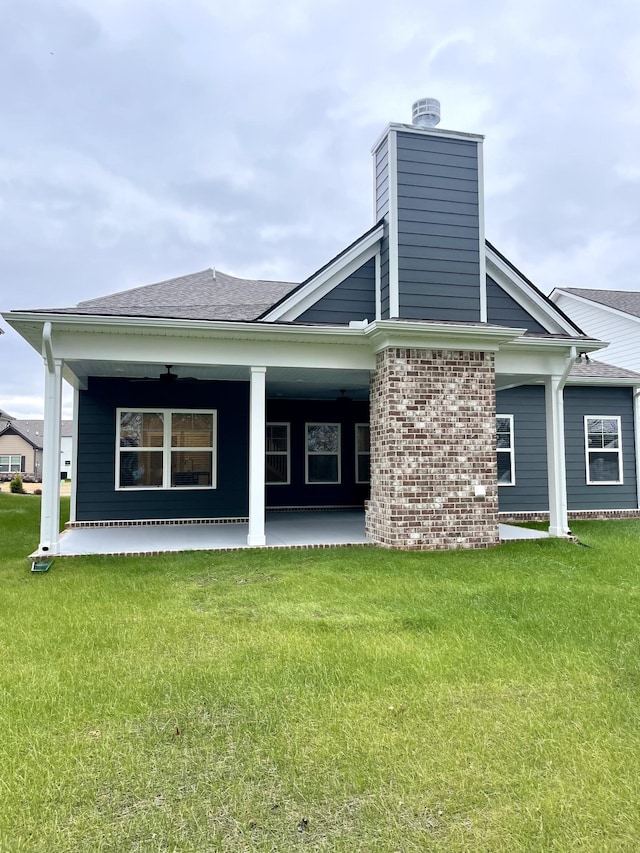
(622, 300)
(524, 291)
(206, 295)
(33, 431)
(327, 277)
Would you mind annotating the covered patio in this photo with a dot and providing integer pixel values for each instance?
(309, 529)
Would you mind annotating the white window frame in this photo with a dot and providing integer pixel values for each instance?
(511, 450)
(588, 450)
(10, 464)
(307, 454)
(286, 453)
(167, 449)
(360, 453)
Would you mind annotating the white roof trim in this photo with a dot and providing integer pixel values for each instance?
(557, 292)
(328, 278)
(525, 295)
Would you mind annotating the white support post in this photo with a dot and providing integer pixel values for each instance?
(636, 431)
(74, 456)
(257, 430)
(556, 468)
(50, 512)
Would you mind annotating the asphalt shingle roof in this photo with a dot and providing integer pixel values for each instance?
(624, 300)
(33, 430)
(205, 295)
(601, 370)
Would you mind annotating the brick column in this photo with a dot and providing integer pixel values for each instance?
(432, 444)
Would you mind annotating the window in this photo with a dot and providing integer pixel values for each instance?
(277, 455)
(165, 449)
(322, 453)
(10, 464)
(504, 448)
(363, 453)
(603, 448)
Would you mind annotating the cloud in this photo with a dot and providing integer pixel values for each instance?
(144, 139)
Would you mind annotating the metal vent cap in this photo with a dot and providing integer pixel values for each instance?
(425, 112)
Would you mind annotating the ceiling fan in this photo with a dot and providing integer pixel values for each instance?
(166, 378)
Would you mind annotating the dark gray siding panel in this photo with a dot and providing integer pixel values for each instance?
(503, 310)
(97, 498)
(382, 210)
(299, 412)
(438, 228)
(382, 179)
(530, 492)
(581, 401)
(353, 299)
(384, 273)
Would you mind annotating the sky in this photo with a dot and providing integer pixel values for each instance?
(146, 139)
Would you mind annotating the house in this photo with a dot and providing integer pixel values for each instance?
(417, 376)
(21, 444)
(611, 315)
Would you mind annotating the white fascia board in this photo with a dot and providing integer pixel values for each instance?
(524, 295)
(168, 327)
(539, 357)
(582, 345)
(592, 304)
(324, 282)
(400, 333)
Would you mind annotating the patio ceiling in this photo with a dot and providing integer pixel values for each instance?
(287, 382)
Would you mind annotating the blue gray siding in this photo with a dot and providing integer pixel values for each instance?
(381, 160)
(530, 491)
(503, 310)
(298, 413)
(97, 498)
(581, 401)
(438, 227)
(353, 299)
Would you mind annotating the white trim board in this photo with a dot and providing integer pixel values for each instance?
(327, 279)
(526, 296)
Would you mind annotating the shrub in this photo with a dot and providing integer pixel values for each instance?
(16, 485)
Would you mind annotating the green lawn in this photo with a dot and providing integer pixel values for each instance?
(338, 700)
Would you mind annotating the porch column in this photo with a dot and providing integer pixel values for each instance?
(556, 467)
(636, 432)
(257, 429)
(50, 512)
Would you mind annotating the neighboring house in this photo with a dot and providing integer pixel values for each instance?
(611, 315)
(417, 374)
(21, 444)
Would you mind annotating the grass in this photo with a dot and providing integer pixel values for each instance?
(336, 700)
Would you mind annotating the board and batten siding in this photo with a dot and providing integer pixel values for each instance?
(622, 333)
(97, 498)
(530, 491)
(578, 402)
(353, 299)
(438, 227)
(503, 310)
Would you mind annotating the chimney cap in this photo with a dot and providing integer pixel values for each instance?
(425, 112)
